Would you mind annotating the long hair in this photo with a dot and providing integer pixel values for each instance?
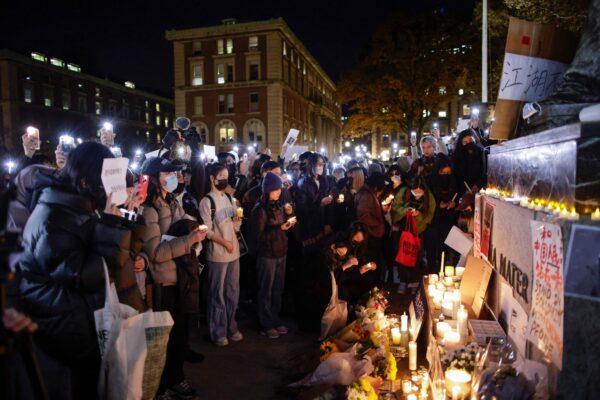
(212, 170)
(197, 186)
(418, 182)
(84, 168)
(358, 179)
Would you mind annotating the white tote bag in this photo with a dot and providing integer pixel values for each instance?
(133, 348)
(335, 315)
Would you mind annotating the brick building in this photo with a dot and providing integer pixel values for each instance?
(251, 82)
(56, 97)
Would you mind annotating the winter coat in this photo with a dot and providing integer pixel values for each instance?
(368, 210)
(269, 240)
(61, 269)
(161, 254)
(469, 167)
(311, 215)
(400, 207)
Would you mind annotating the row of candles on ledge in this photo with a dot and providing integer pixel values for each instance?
(401, 337)
(553, 207)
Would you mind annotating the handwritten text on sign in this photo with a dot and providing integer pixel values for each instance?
(545, 327)
(527, 78)
(113, 175)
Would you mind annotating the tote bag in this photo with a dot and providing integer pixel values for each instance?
(335, 315)
(409, 244)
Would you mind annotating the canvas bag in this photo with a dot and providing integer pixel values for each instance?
(133, 348)
(409, 244)
(335, 315)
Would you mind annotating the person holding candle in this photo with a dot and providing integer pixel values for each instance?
(269, 222)
(345, 211)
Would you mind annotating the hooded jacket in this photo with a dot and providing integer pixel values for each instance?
(61, 269)
(369, 212)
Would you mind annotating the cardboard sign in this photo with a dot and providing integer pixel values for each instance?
(535, 60)
(459, 241)
(290, 140)
(545, 327)
(512, 316)
(114, 171)
(210, 152)
(474, 283)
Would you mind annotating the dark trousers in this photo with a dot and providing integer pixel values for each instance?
(271, 279)
(178, 338)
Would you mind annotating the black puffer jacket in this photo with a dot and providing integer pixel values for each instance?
(62, 278)
(311, 215)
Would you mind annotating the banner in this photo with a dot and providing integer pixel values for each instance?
(477, 226)
(545, 327)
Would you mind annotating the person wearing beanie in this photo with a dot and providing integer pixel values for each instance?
(269, 222)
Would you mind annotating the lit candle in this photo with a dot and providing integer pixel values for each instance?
(411, 396)
(456, 393)
(240, 212)
(441, 328)
(433, 278)
(458, 378)
(395, 336)
(596, 215)
(412, 355)
(340, 198)
(430, 289)
(459, 271)
(449, 270)
(448, 281)
(573, 215)
(523, 202)
(437, 298)
(406, 386)
(442, 263)
(447, 308)
(461, 323)
(451, 339)
(404, 322)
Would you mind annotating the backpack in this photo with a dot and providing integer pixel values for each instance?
(213, 210)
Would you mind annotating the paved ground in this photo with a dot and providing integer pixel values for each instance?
(258, 368)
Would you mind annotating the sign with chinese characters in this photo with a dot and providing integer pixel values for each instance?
(114, 171)
(529, 79)
(545, 327)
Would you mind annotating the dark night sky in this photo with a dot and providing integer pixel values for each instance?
(124, 40)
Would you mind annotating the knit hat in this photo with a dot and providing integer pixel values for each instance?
(271, 183)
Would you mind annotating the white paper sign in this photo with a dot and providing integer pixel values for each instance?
(529, 79)
(297, 149)
(114, 171)
(545, 327)
(210, 152)
(459, 241)
(290, 140)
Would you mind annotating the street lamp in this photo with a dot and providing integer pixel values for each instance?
(347, 143)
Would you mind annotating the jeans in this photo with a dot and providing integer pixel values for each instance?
(271, 280)
(223, 296)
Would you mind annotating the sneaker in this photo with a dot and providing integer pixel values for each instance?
(401, 288)
(193, 357)
(183, 388)
(282, 330)
(270, 333)
(236, 337)
(222, 342)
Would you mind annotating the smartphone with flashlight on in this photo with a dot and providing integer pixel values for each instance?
(413, 135)
(34, 135)
(143, 186)
(67, 143)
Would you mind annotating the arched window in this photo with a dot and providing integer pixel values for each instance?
(254, 131)
(225, 131)
(202, 130)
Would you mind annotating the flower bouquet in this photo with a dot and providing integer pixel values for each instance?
(462, 357)
(374, 299)
(361, 390)
(328, 347)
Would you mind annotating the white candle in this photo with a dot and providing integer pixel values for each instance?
(441, 328)
(451, 339)
(411, 396)
(448, 308)
(461, 323)
(437, 298)
(449, 270)
(448, 281)
(459, 271)
(406, 386)
(456, 393)
(412, 355)
(395, 336)
(442, 264)
(430, 289)
(404, 322)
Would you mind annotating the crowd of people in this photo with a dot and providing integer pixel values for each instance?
(204, 235)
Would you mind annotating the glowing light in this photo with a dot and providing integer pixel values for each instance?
(138, 152)
(322, 150)
(108, 126)
(10, 164)
(236, 149)
(475, 111)
(31, 130)
(79, 140)
(134, 166)
(347, 143)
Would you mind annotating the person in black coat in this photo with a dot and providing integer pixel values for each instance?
(469, 163)
(62, 274)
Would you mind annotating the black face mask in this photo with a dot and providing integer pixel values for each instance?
(221, 184)
(444, 181)
(471, 148)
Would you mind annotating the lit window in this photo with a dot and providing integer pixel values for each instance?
(98, 108)
(226, 131)
(198, 105)
(197, 47)
(129, 84)
(147, 117)
(303, 68)
(66, 100)
(57, 62)
(157, 107)
(221, 104)
(48, 97)
(461, 92)
(166, 122)
(253, 102)
(230, 103)
(221, 74)
(220, 48)
(442, 114)
(97, 91)
(425, 113)
(229, 46)
(284, 48)
(254, 71)
(73, 67)
(253, 43)
(158, 120)
(39, 57)
(158, 137)
(27, 94)
(197, 75)
(442, 90)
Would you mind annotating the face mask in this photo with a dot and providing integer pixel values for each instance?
(319, 170)
(221, 184)
(356, 244)
(416, 195)
(341, 252)
(171, 183)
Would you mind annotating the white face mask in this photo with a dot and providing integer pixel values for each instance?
(319, 170)
(417, 195)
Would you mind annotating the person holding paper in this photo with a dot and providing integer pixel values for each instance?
(161, 211)
(469, 163)
(71, 230)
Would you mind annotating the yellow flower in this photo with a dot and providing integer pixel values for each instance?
(392, 369)
(367, 388)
